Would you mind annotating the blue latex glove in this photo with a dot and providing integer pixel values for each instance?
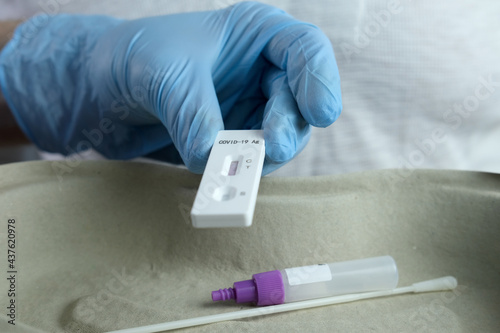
(130, 88)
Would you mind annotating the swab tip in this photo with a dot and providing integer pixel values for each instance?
(442, 283)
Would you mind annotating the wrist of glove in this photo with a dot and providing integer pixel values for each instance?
(130, 88)
(44, 75)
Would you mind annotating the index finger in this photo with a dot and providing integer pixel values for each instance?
(306, 55)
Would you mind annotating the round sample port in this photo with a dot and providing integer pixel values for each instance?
(224, 193)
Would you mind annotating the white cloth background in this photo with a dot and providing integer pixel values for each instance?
(404, 65)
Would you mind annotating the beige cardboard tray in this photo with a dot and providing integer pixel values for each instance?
(108, 245)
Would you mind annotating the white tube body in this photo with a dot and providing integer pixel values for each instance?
(347, 277)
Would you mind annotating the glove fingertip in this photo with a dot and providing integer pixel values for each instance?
(280, 152)
(199, 151)
(198, 157)
(325, 114)
(322, 104)
(270, 167)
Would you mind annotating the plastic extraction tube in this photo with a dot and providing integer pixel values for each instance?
(316, 281)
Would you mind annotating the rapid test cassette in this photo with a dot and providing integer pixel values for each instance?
(228, 189)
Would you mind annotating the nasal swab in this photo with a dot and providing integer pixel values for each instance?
(440, 284)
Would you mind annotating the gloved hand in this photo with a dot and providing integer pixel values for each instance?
(130, 88)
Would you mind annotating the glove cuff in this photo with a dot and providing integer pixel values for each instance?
(42, 76)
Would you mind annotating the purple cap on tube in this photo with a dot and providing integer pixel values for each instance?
(264, 289)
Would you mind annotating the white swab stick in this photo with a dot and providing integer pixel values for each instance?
(440, 284)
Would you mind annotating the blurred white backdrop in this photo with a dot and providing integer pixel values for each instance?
(420, 80)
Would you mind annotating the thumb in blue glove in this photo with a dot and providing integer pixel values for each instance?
(173, 80)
